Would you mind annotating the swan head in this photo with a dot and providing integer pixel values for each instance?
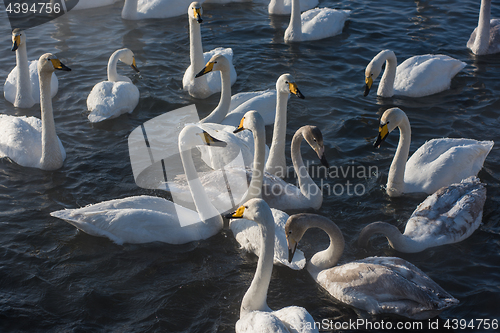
(314, 138)
(391, 119)
(256, 210)
(295, 228)
(195, 11)
(252, 120)
(217, 63)
(18, 38)
(127, 57)
(48, 63)
(192, 136)
(375, 67)
(286, 84)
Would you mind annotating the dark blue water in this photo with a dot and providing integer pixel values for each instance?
(54, 278)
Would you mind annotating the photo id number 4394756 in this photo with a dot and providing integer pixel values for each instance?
(474, 324)
(35, 8)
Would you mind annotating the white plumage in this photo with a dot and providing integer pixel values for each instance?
(485, 39)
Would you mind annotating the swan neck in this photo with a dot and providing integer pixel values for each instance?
(483, 28)
(255, 187)
(386, 86)
(220, 112)
(295, 19)
(195, 46)
(207, 212)
(51, 151)
(395, 182)
(129, 11)
(396, 240)
(255, 298)
(327, 258)
(307, 186)
(276, 162)
(112, 63)
(23, 85)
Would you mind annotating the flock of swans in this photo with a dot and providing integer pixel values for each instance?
(445, 168)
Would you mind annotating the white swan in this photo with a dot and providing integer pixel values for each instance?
(146, 9)
(485, 39)
(31, 142)
(448, 216)
(437, 163)
(21, 87)
(255, 314)
(86, 4)
(116, 96)
(374, 284)
(284, 7)
(416, 77)
(144, 219)
(314, 24)
(209, 84)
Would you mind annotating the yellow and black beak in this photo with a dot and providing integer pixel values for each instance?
(15, 42)
(240, 127)
(368, 86)
(383, 132)
(294, 90)
(238, 214)
(211, 141)
(207, 69)
(292, 246)
(197, 14)
(134, 66)
(59, 65)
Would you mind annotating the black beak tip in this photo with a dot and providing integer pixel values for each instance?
(324, 161)
(199, 20)
(229, 216)
(14, 47)
(65, 68)
(290, 255)
(367, 91)
(201, 73)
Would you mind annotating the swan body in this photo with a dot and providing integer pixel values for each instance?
(22, 87)
(437, 163)
(284, 7)
(375, 284)
(147, 9)
(86, 4)
(209, 84)
(450, 215)
(116, 96)
(31, 142)
(485, 39)
(416, 77)
(314, 24)
(255, 314)
(144, 219)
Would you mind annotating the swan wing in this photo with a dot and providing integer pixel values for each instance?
(86, 4)
(296, 319)
(108, 100)
(161, 8)
(263, 102)
(260, 321)
(449, 215)
(441, 162)
(248, 235)
(386, 285)
(426, 75)
(21, 140)
(285, 8)
(319, 23)
(494, 41)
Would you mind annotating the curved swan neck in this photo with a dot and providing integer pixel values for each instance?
(52, 158)
(396, 240)
(386, 86)
(220, 112)
(276, 162)
(255, 298)
(395, 181)
(327, 258)
(129, 11)
(482, 41)
(308, 187)
(207, 212)
(23, 85)
(255, 187)
(113, 61)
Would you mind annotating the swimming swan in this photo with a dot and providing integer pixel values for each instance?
(146, 9)
(416, 77)
(485, 39)
(22, 87)
(255, 314)
(374, 284)
(209, 84)
(448, 216)
(116, 96)
(144, 219)
(31, 142)
(86, 4)
(437, 163)
(314, 24)
(284, 7)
